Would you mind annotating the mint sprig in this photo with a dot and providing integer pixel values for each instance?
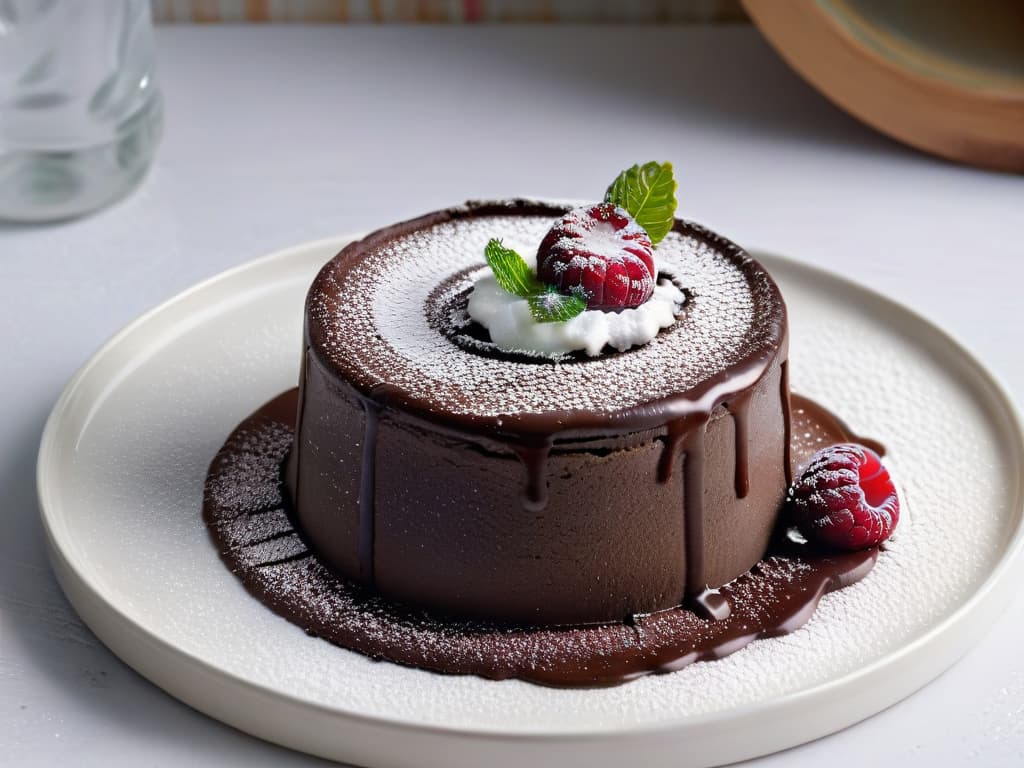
(648, 193)
(514, 275)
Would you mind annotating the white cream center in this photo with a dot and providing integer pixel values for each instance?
(508, 319)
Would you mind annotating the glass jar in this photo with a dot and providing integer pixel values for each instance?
(80, 111)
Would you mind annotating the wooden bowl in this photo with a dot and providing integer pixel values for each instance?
(945, 76)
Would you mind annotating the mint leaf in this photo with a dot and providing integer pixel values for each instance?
(648, 192)
(513, 274)
(550, 306)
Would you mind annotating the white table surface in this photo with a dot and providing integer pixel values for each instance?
(280, 135)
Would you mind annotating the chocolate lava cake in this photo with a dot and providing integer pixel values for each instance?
(440, 471)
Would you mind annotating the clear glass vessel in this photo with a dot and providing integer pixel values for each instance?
(80, 111)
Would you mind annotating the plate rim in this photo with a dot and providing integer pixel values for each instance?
(981, 600)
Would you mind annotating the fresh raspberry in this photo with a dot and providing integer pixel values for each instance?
(845, 498)
(600, 254)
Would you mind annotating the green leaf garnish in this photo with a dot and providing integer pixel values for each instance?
(648, 192)
(550, 306)
(512, 273)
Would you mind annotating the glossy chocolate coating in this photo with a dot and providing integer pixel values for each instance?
(429, 493)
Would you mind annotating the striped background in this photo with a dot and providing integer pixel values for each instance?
(449, 11)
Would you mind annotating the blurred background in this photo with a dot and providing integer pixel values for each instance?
(662, 11)
(907, 63)
(81, 107)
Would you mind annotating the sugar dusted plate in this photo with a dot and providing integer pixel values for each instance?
(121, 470)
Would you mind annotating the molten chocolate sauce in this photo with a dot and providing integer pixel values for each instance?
(258, 542)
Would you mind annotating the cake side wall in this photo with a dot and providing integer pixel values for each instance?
(451, 531)
(455, 534)
(326, 482)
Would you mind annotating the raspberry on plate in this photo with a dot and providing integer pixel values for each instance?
(845, 498)
(599, 253)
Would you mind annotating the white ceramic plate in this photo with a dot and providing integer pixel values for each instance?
(121, 471)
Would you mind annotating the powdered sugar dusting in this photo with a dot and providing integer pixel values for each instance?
(369, 313)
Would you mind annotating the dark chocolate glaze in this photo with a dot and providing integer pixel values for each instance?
(693, 505)
(739, 408)
(367, 486)
(246, 512)
(535, 464)
(685, 437)
(787, 418)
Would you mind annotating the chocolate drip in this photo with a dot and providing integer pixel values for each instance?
(676, 431)
(292, 465)
(693, 507)
(535, 462)
(739, 408)
(686, 436)
(703, 602)
(367, 489)
(787, 408)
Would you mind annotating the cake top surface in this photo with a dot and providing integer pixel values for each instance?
(386, 314)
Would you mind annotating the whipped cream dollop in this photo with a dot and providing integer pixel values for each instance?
(513, 329)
